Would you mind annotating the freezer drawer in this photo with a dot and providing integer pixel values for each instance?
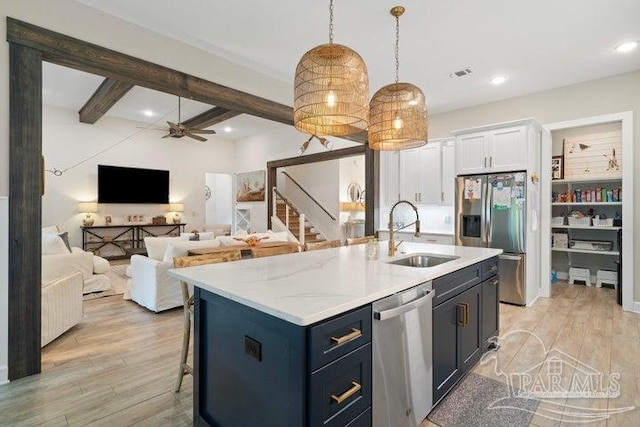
(512, 270)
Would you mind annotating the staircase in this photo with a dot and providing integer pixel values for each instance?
(291, 217)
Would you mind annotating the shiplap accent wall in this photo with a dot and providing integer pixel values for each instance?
(597, 155)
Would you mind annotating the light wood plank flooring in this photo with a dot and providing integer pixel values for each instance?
(118, 367)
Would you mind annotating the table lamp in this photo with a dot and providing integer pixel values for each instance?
(87, 208)
(176, 207)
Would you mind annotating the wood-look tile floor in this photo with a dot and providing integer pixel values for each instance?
(118, 366)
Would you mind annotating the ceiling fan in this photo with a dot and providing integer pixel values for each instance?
(178, 130)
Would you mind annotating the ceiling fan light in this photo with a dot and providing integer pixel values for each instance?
(331, 91)
(398, 115)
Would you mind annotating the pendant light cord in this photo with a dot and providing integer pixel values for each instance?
(330, 21)
(397, 49)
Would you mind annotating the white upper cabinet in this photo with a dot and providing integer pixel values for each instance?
(420, 174)
(390, 178)
(448, 174)
(495, 148)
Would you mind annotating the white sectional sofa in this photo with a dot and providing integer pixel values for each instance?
(151, 286)
(58, 260)
(61, 305)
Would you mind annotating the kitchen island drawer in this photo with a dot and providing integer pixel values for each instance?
(336, 337)
(489, 268)
(341, 391)
(446, 287)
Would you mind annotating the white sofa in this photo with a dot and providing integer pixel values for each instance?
(151, 286)
(58, 261)
(61, 305)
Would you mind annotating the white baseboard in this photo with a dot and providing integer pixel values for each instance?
(4, 375)
(636, 307)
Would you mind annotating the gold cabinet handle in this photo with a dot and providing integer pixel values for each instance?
(355, 333)
(493, 268)
(458, 321)
(494, 282)
(465, 314)
(347, 394)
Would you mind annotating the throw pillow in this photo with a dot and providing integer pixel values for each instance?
(53, 244)
(65, 238)
(202, 236)
(194, 238)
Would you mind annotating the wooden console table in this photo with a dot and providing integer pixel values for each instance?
(126, 239)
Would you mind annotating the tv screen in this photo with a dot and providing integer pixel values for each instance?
(132, 185)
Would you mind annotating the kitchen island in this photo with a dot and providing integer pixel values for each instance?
(281, 340)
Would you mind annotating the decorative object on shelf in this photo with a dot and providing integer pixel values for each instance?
(87, 208)
(557, 167)
(398, 111)
(250, 186)
(176, 208)
(323, 141)
(331, 90)
(159, 220)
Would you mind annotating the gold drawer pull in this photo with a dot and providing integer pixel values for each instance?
(355, 333)
(347, 394)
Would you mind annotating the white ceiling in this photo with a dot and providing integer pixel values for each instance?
(539, 44)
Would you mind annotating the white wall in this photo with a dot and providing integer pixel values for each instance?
(597, 97)
(351, 171)
(4, 288)
(253, 153)
(67, 142)
(322, 181)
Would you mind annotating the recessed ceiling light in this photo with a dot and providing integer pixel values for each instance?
(148, 113)
(498, 80)
(626, 46)
(227, 129)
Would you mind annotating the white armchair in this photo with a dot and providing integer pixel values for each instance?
(56, 265)
(61, 305)
(151, 286)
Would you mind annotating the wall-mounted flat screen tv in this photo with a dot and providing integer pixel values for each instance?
(132, 185)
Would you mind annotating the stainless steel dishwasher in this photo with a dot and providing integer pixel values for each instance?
(402, 358)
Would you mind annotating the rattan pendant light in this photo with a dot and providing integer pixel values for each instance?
(398, 111)
(331, 90)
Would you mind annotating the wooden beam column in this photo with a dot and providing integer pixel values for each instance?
(25, 210)
(371, 190)
(210, 117)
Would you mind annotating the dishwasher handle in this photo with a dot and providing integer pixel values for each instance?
(405, 308)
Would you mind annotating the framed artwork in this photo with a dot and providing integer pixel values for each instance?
(557, 167)
(250, 186)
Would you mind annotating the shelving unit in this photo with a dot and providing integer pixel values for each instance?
(576, 256)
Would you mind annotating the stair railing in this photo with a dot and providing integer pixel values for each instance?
(301, 219)
(313, 199)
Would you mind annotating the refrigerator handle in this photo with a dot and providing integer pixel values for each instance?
(487, 212)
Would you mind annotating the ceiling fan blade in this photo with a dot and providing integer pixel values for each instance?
(173, 126)
(207, 131)
(167, 135)
(194, 136)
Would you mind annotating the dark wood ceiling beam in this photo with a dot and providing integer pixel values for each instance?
(210, 118)
(71, 52)
(108, 93)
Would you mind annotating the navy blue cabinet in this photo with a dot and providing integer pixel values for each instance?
(465, 317)
(255, 369)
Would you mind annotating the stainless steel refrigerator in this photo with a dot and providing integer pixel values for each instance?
(491, 212)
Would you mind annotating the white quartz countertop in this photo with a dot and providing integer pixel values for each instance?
(307, 287)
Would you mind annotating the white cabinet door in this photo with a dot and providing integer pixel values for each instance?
(507, 149)
(430, 174)
(410, 174)
(390, 163)
(448, 173)
(438, 239)
(420, 174)
(471, 154)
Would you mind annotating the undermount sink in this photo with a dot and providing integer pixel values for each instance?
(424, 260)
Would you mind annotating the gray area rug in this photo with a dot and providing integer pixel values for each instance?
(482, 401)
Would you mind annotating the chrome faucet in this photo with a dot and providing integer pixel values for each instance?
(392, 246)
